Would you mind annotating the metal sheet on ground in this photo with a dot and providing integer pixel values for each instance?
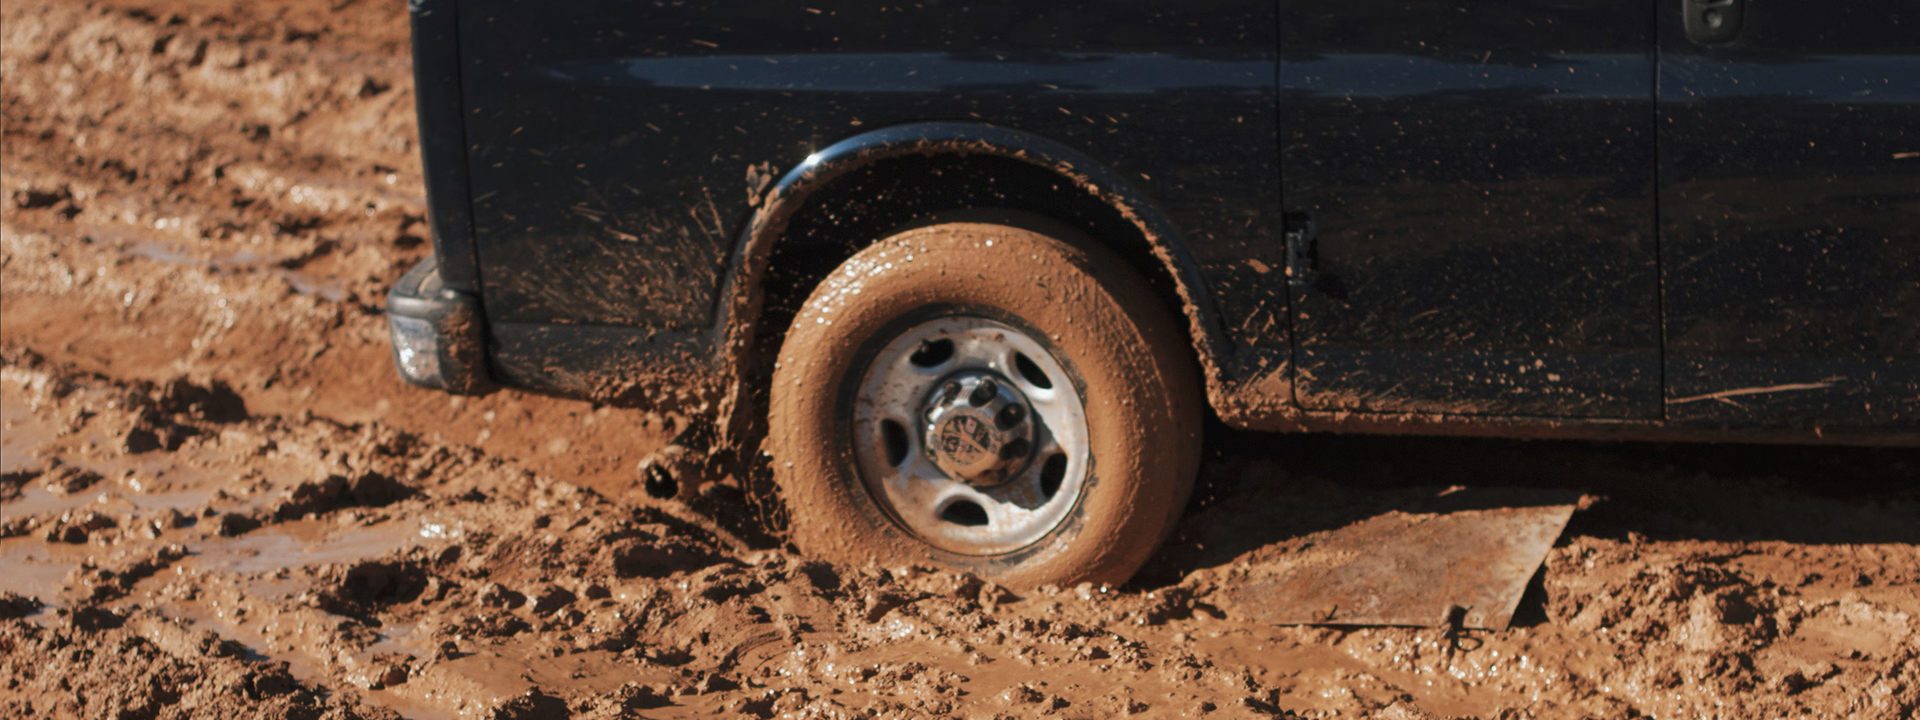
(1474, 550)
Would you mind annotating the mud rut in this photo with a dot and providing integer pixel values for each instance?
(218, 500)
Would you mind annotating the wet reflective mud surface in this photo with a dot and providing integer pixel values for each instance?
(216, 497)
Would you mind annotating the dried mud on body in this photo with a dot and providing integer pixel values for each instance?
(216, 498)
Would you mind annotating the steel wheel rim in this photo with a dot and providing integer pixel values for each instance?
(901, 384)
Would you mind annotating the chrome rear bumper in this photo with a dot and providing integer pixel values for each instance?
(439, 338)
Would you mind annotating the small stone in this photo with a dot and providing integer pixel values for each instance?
(548, 598)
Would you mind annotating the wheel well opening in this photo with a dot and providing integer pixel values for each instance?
(873, 201)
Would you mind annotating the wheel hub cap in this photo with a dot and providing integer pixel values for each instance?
(970, 434)
(977, 429)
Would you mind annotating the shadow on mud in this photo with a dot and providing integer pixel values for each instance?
(1258, 489)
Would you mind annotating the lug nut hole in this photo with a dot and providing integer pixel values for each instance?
(932, 353)
(1031, 372)
(965, 512)
(895, 438)
(1052, 473)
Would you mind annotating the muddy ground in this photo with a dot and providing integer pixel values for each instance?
(218, 499)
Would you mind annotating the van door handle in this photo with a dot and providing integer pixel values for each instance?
(1712, 22)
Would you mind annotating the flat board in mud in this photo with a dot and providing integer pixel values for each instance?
(853, 230)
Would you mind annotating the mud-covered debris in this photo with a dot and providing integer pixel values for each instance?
(385, 670)
(272, 679)
(724, 583)
(116, 578)
(235, 524)
(673, 472)
(90, 619)
(1173, 603)
(17, 526)
(768, 703)
(821, 575)
(531, 705)
(549, 597)
(494, 594)
(623, 702)
(635, 557)
(31, 198)
(14, 605)
(712, 683)
(486, 624)
(167, 519)
(136, 440)
(77, 526)
(880, 602)
(937, 582)
(12, 481)
(211, 401)
(69, 479)
(210, 644)
(436, 589)
(1034, 693)
(1404, 711)
(361, 588)
(366, 489)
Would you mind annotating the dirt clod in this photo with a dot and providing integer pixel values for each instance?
(67, 479)
(15, 605)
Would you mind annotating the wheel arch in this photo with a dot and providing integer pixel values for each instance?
(823, 211)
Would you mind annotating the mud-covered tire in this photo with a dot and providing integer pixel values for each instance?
(1103, 325)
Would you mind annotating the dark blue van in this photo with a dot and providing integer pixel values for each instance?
(968, 277)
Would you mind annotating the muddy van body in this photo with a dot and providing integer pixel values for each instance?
(1671, 220)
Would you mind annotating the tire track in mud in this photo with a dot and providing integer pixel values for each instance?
(217, 497)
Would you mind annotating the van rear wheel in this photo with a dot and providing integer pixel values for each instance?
(991, 398)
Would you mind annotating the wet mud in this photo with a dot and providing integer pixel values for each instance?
(217, 498)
